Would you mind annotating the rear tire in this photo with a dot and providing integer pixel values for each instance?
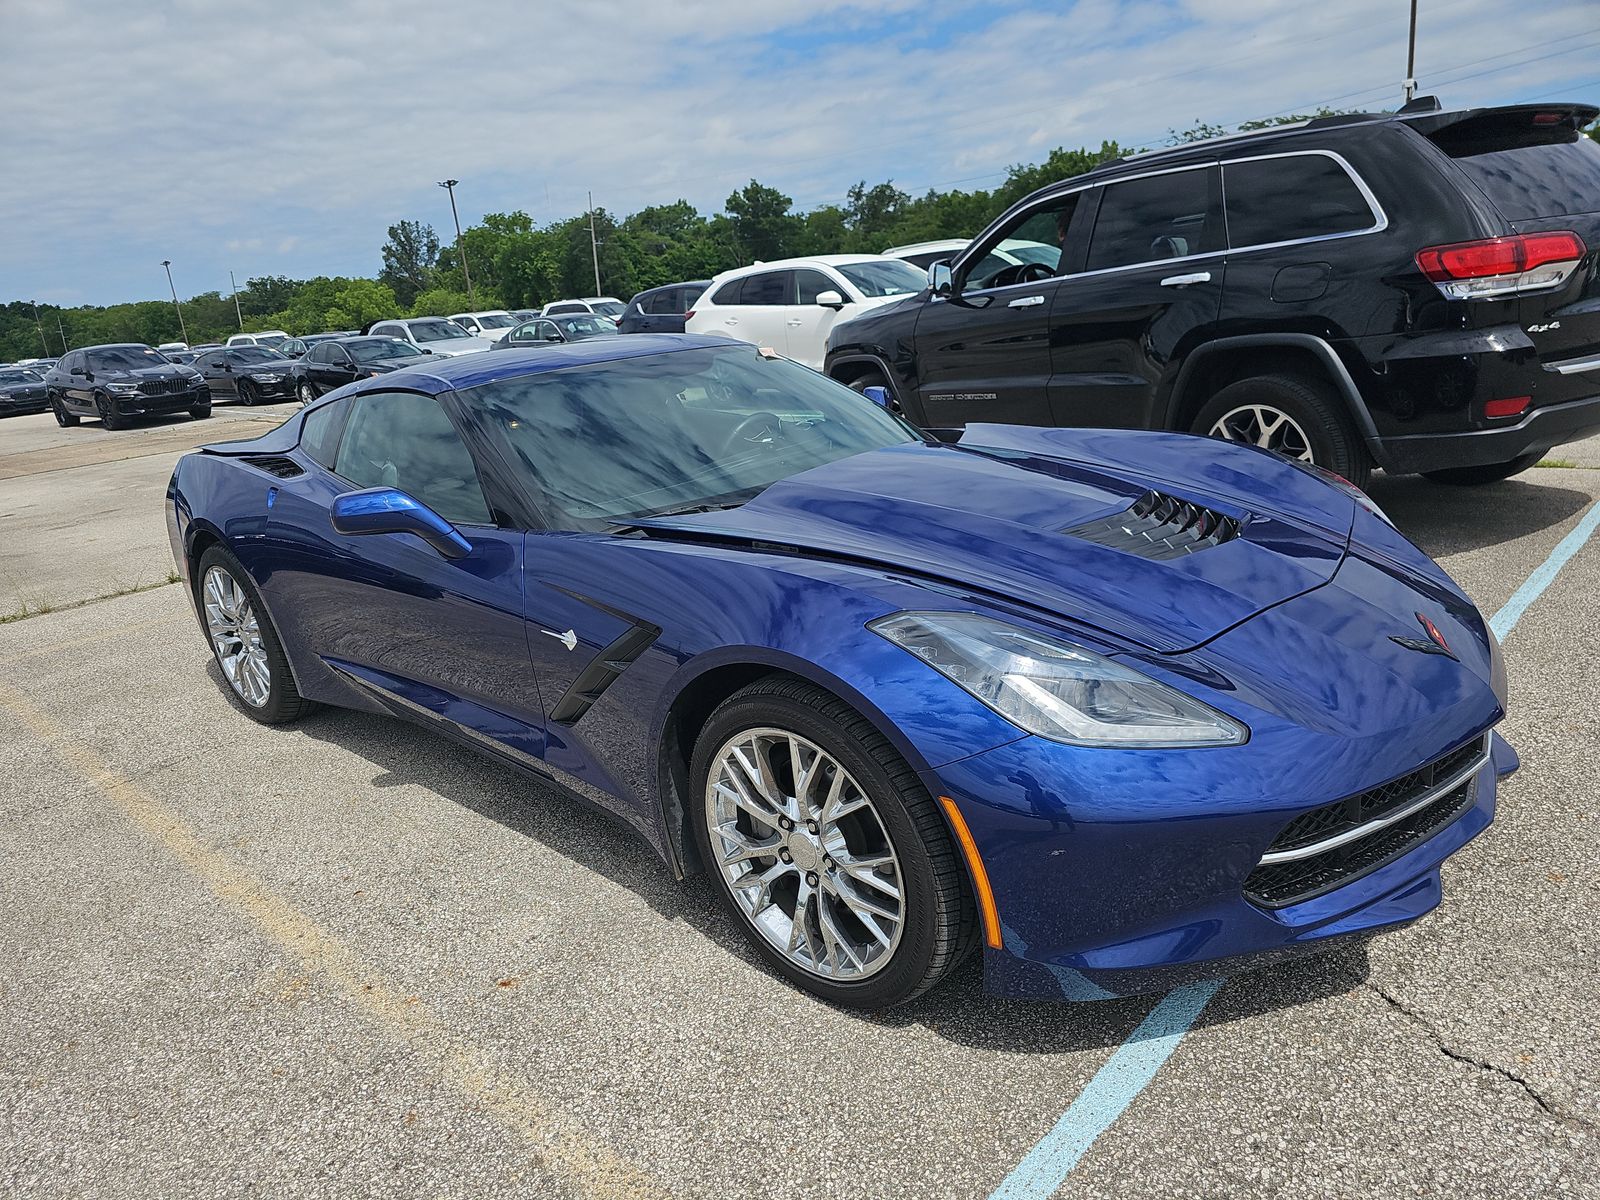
(109, 416)
(933, 923)
(1474, 476)
(65, 419)
(306, 392)
(1291, 416)
(244, 641)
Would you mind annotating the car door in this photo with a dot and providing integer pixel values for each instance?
(983, 352)
(1152, 277)
(761, 314)
(335, 369)
(220, 381)
(410, 627)
(809, 323)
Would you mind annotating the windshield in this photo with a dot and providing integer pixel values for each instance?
(609, 308)
(890, 277)
(436, 331)
(496, 322)
(124, 358)
(582, 325)
(686, 428)
(1032, 252)
(381, 350)
(255, 354)
(19, 377)
(270, 339)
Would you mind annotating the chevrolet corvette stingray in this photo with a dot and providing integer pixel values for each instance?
(1122, 708)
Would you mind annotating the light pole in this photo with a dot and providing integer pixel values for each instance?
(39, 325)
(167, 263)
(449, 185)
(1410, 84)
(594, 246)
(236, 311)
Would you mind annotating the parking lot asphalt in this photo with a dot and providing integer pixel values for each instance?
(348, 957)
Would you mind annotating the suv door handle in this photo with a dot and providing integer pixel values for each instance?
(1026, 302)
(1186, 280)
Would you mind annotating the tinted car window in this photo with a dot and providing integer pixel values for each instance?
(124, 358)
(1283, 199)
(318, 353)
(769, 287)
(405, 441)
(666, 302)
(1154, 218)
(1042, 230)
(319, 436)
(891, 277)
(810, 284)
(1527, 170)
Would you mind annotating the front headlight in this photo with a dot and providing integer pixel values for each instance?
(125, 389)
(1054, 689)
(269, 378)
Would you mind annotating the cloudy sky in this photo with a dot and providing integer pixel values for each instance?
(283, 138)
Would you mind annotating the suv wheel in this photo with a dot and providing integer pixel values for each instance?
(64, 418)
(1492, 473)
(1290, 416)
(249, 394)
(109, 416)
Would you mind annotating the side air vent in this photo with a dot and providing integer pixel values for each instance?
(1159, 526)
(274, 464)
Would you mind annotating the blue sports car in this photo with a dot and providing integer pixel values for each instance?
(1124, 708)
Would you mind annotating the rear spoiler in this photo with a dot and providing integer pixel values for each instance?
(1557, 120)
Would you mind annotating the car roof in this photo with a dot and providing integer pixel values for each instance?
(471, 370)
(918, 247)
(811, 260)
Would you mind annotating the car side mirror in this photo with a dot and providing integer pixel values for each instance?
(79, 371)
(941, 280)
(389, 510)
(878, 395)
(830, 299)
(425, 350)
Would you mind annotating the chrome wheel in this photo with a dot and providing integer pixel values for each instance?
(307, 393)
(236, 637)
(805, 854)
(1264, 426)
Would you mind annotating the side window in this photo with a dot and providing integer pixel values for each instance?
(319, 435)
(1035, 238)
(811, 284)
(1154, 218)
(318, 353)
(768, 288)
(339, 356)
(402, 440)
(1285, 199)
(388, 331)
(662, 303)
(728, 293)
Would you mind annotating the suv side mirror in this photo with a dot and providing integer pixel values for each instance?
(831, 300)
(78, 371)
(941, 281)
(389, 510)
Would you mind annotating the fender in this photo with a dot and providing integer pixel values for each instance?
(1338, 374)
(896, 388)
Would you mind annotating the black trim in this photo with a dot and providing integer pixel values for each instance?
(604, 669)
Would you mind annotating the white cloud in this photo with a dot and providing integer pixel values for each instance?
(283, 137)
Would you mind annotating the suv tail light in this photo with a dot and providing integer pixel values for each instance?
(1502, 266)
(688, 314)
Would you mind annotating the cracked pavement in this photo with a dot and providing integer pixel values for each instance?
(348, 957)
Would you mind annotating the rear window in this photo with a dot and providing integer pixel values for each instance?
(1290, 198)
(1527, 169)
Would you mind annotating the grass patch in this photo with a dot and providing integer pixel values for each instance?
(1556, 462)
(32, 609)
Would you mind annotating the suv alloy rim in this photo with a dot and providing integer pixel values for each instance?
(236, 637)
(1264, 426)
(805, 854)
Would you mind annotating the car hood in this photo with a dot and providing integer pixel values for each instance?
(164, 371)
(455, 346)
(25, 390)
(1011, 511)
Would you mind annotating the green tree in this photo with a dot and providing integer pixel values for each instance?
(408, 259)
(359, 303)
(762, 224)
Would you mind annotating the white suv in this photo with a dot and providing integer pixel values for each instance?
(601, 306)
(438, 335)
(793, 304)
(492, 324)
(271, 338)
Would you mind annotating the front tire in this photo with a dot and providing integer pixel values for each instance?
(1475, 476)
(200, 411)
(109, 416)
(826, 848)
(244, 642)
(65, 419)
(249, 395)
(1290, 416)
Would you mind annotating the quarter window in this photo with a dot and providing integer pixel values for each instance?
(1286, 199)
(319, 434)
(403, 440)
(1154, 218)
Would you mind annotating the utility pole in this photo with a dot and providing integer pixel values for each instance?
(1410, 84)
(62, 332)
(449, 185)
(167, 263)
(39, 325)
(236, 311)
(594, 246)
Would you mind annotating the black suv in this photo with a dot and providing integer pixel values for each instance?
(122, 381)
(1414, 290)
(661, 309)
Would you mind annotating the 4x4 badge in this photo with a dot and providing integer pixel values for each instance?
(1434, 645)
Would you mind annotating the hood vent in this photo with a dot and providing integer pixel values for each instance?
(1159, 526)
(273, 464)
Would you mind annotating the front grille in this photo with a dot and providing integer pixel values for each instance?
(1159, 526)
(163, 387)
(1311, 872)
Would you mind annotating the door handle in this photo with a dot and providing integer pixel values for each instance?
(795, 322)
(1026, 302)
(1186, 280)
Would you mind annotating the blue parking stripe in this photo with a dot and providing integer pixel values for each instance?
(1112, 1089)
(1128, 1071)
(1504, 621)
